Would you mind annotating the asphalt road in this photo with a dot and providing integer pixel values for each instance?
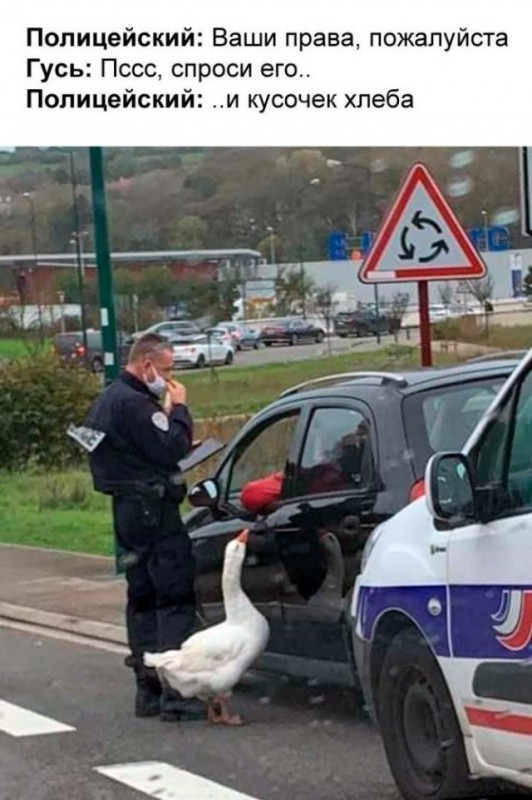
(282, 352)
(303, 742)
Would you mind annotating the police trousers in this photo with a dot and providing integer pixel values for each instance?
(159, 570)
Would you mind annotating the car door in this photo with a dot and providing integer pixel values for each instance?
(264, 447)
(322, 527)
(490, 587)
(219, 350)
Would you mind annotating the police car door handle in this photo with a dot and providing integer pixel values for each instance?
(435, 549)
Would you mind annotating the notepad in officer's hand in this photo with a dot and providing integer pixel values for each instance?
(210, 447)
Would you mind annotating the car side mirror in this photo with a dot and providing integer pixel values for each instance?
(450, 488)
(204, 494)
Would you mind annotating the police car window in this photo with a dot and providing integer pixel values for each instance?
(263, 452)
(520, 465)
(337, 454)
(509, 464)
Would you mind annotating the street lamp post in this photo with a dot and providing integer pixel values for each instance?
(486, 229)
(77, 243)
(77, 239)
(33, 228)
(272, 244)
(302, 272)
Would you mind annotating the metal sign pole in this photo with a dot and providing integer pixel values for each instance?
(105, 286)
(424, 323)
(105, 273)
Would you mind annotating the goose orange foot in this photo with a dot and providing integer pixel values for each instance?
(218, 713)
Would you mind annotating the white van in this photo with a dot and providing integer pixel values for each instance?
(443, 614)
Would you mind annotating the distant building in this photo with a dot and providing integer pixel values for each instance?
(31, 277)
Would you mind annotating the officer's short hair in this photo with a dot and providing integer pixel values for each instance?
(150, 344)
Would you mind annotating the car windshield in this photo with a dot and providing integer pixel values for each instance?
(444, 418)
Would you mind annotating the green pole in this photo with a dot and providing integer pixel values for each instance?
(105, 272)
(105, 284)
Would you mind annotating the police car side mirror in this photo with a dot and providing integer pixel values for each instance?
(204, 494)
(450, 489)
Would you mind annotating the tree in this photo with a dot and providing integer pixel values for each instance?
(325, 303)
(528, 283)
(481, 289)
(158, 285)
(188, 233)
(398, 306)
(446, 293)
(229, 293)
(293, 290)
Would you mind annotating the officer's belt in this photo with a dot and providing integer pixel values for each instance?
(152, 491)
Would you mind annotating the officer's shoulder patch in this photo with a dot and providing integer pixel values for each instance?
(160, 420)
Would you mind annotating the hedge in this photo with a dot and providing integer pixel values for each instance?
(39, 398)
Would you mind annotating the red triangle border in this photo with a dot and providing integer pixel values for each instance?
(419, 174)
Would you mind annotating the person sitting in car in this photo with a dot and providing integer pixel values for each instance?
(348, 467)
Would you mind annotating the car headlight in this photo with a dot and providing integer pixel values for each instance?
(371, 541)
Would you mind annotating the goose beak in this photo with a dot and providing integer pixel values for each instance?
(243, 537)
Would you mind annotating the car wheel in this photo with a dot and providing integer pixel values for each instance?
(97, 365)
(418, 724)
(293, 340)
(342, 335)
(200, 363)
(320, 336)
(229, 359)
(268, 344)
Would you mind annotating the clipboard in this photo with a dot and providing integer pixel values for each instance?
(210, 447)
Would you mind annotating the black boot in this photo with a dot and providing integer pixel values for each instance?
(176, 708)
(148, 696)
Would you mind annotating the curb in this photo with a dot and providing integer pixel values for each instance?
(90, 629)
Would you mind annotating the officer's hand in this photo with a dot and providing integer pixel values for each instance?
(177, 393)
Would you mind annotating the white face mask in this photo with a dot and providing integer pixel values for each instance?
(157, 386)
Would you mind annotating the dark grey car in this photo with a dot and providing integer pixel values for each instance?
(70, 348)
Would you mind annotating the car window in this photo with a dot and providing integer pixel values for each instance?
(337, 453)
(263, 452)
(444, 418)
(504, 456)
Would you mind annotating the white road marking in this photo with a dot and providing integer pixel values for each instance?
(157, 779)
(17, 721)
(51, 633)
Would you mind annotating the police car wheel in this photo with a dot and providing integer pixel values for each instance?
(200, 363)
(421, 735)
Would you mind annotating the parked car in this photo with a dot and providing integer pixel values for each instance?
(71, 349)
(439, 312)
(364, 323)
(171, 328)
(443, 613)
(291, 331)
(350, 451)
(240, 336)
(201, 351)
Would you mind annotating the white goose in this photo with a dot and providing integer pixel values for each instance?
(210, 663)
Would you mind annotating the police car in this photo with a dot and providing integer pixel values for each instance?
(443, 614)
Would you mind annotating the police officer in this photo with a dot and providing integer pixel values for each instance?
(137, 463)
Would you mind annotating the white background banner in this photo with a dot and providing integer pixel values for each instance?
(226, 72)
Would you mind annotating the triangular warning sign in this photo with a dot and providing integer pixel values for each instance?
(421, 238)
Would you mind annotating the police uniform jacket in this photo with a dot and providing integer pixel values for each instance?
(142, 445)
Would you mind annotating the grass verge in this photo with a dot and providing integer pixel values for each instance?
(245, 390)
(58, 510)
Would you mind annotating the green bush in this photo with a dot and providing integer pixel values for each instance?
(39, 398)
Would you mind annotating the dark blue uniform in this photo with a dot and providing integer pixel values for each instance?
(136, 463)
